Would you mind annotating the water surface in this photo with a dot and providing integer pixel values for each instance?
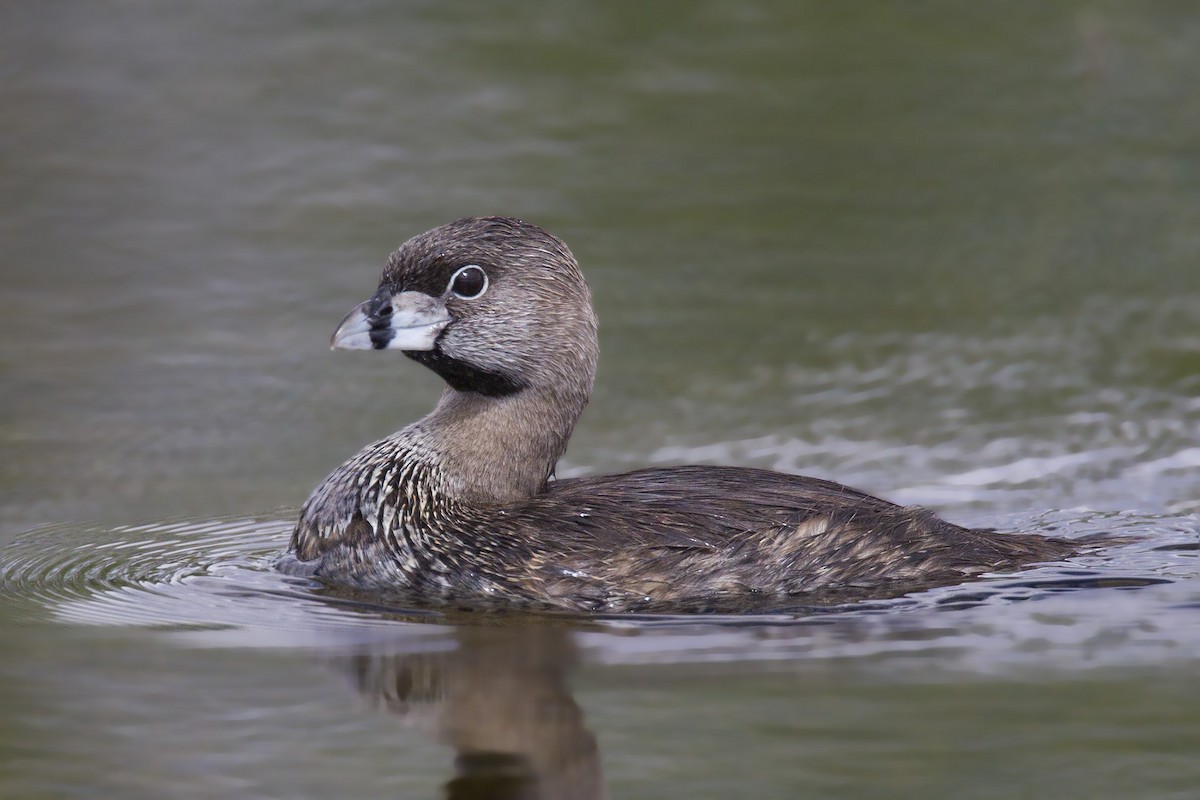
(944, 254)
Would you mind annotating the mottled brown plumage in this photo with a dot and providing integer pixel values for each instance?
(460, 505)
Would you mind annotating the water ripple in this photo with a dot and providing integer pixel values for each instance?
(64, 563)
(212, 579)
(212, 583)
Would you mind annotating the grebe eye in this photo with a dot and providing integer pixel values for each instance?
(470, 281)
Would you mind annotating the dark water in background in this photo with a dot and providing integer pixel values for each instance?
(945, 252)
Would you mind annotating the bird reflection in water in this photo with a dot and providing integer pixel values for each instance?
(501, 699)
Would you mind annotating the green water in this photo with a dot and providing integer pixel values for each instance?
(944, 252)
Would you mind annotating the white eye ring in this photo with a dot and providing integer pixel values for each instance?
(469, 282)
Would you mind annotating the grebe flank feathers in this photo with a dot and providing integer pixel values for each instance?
(460, 506)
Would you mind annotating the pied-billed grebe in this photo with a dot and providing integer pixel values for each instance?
(460, 505)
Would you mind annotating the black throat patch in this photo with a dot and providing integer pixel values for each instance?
(464, 377)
